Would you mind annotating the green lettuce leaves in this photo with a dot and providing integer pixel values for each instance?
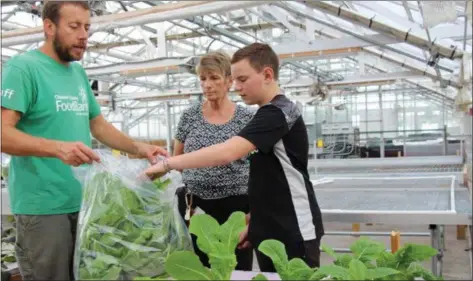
(369, 260)
(126, 229)
(217, 241)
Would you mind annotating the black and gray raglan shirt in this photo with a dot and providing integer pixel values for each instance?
(283, 204)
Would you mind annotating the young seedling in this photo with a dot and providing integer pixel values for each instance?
(217, 241)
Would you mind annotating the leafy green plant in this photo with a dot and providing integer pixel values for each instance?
(217, 241)
(126, 229)
(406, 260)
(295, 269)
(374, 256)
(8, 242)
(162, 184)
(369, 261)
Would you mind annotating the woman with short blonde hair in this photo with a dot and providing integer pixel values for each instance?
(222, 190)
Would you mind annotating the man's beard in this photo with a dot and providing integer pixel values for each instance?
(62, 51)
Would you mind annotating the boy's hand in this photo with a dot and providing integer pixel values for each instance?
(244, 243)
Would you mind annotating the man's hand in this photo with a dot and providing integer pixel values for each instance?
(76, 153)
(150, 152)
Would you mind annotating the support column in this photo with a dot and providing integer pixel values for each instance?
(396, 107)
(361, 62)
(168, 126)
(125, 126)
(310, 29)
(404, 123)
(315, 134)
(467, 130)
(329, 111)
(103, 86)
(416, 126)
(381, 125)
(445, 141)
(161, 40)
(366, 113)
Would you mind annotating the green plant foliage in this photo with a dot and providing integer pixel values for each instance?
(369, 260)
(217, 241)
(126, 231)
(8, 241)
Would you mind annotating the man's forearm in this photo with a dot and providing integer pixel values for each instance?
(110, 136)
(17, 143)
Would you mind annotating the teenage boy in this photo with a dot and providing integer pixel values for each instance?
(283, 205)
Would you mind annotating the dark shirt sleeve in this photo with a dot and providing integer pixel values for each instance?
(267, 127)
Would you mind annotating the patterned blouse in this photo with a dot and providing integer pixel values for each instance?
(196, 133)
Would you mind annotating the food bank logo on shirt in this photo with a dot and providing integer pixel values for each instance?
(77, 104)
(83, 95)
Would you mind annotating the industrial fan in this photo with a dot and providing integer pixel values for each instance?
(318, 91)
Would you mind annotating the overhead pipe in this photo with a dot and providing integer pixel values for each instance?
(431, 92)
(362, 37)
(166, 12)
(425, 91)
(139, 66)
(426, 72)
(358, 81)
(186, 92)
(373, 24)
(365, 38)
(111, 18)
(187, 64)
(10, 26)
(118, 55)
(179, 36)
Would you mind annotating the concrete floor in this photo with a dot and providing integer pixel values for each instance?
(456, 259)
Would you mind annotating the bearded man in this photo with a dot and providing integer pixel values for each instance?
(48, 114)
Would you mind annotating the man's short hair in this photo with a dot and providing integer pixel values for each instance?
(218, 62)
(259, 56)
(52, 8)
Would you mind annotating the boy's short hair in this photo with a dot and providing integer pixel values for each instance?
(218, 62)
(52, 9)
(259, 56)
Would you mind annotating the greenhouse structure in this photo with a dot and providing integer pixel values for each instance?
(382, 92)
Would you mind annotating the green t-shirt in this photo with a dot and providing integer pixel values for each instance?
(57, 103)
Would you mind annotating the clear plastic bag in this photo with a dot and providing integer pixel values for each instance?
(128, 225)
